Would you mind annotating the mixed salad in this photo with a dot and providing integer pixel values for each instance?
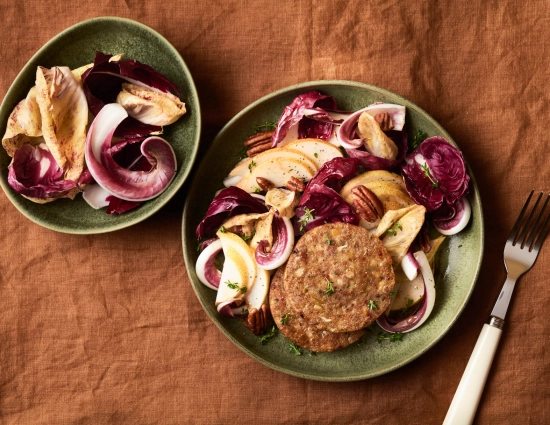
(117, 161)
(323, 165)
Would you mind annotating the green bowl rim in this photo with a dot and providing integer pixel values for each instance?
(171, 190)
(352, 377)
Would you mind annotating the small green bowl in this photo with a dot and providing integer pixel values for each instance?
(77, 46)
(459, 260)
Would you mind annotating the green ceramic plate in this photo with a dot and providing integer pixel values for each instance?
(460, 258)
(74, 47)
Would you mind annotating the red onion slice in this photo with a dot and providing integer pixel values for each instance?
(205, 267)
(120, 182)
(449, 220)
(426, 305)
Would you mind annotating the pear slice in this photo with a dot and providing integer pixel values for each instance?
(316, 149)
(278, 171)
(257, 296)
(407, 295)
(245, 166)
(239, 268)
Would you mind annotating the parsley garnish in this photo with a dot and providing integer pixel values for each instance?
(426, 170)
(393, 230)
(268, 125)
(392, 294)
(264, 339)
(257, 189)
(306, 218)
(330, 288)
(316, 155)
(223, 229)
(382, 336)
(372, 305)
(295, 349)
(285, 318)
(251, 165)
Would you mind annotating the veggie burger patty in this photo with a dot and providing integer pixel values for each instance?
(339, 278)
(297, 329)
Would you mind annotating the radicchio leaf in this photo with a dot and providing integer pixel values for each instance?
(307, 127)
(229, 202)
(319, 205)
(35, 174)
(103, 82)
(336, 172)
(435, 174)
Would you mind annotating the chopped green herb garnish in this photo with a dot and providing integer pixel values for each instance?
(417, 139)
(330, 288)
(295, 349)
(223, 229)
(242, 153)
(328, 241)
(316, 155)
(410, 302)
(268, 125)
(257, 189)
(285, 318)
(264, 339)
(232, 285)
(392, 337)
(251, 165)
(393, 230)
(392, 294)
(372, 305)
(306, 218)
(426, 170)
(246, 237)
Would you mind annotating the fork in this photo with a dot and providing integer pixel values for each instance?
(520, 252)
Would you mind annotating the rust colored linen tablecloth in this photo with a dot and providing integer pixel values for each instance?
(107, 329)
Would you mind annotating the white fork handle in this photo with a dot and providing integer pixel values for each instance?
(464, 405)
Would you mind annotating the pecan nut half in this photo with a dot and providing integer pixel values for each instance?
(258, 319)
(384, 120)
(264, 183)
(258, 148)
(295, 184)
(258, 137)
(258, 142)
(366, 203)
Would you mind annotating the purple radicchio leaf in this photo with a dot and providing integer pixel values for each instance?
(336, 172)
(34, 173)
(307, 127)
(320, 205)
(435, 174)
(228, 203)
(102, 83)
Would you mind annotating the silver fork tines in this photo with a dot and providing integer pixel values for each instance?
(527, 235)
